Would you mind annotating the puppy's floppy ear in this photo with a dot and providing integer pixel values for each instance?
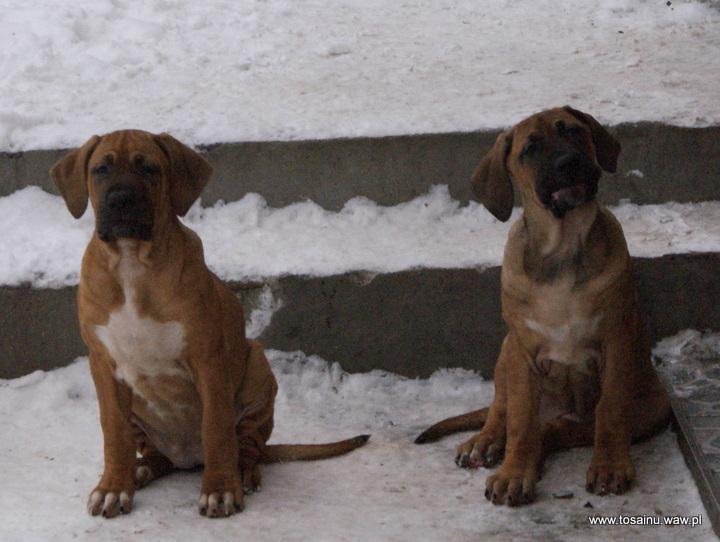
(70, 176)
(607, 148)
(189, 172)
(491, 181)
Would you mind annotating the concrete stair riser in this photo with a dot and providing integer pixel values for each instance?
(677, 164)
(411, 322)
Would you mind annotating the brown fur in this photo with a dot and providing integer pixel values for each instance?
(218, 375)
(575, 341)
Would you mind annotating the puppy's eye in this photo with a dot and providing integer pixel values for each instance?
(101, 169)
(530, 148)
(574, 131)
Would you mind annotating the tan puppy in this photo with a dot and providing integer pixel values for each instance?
(576, 340)
(176, 379)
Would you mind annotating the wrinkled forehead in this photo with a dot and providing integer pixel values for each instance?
(544, 123)
(128, 146)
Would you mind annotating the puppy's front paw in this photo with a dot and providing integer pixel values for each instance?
(109, 501)
(610, 475)
(484, 449)
(221, 498)
(512, 486)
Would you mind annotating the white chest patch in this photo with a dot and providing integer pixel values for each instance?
(567, 343)
(140, 346)
(576, 329)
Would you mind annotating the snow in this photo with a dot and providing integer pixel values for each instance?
(246, 240)
(281, 70)
(690, 360)
(390, 490)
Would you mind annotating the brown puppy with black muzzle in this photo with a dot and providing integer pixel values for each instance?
(576, 342)
(177, 381)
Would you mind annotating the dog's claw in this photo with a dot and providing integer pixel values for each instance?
(212, 508)
(464, 460)
(125, 503)
(229, 503)
(604, 478)
(109, 504)
(515, 488)
(217, 506)
(483, 449)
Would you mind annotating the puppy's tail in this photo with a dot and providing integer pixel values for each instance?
(280, 453)
(464, 422)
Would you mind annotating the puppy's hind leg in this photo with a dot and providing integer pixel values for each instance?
(151, 465)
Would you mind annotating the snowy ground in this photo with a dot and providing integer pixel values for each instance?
(43, 245)
(390, 490)
(277, 69)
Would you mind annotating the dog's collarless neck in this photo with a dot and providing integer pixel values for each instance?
(549, 236)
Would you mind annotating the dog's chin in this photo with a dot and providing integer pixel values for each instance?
(570, 197)
(109, 233)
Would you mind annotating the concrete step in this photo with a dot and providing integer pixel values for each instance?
(410, 322)
(689, 365)
(659, 163)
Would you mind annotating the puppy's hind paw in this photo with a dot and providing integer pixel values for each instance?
(482, 450)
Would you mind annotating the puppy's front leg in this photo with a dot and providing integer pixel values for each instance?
(486, 447)
(514, 483)
(222, 492)
(611, 470)
(115, 491)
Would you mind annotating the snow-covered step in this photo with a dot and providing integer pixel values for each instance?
(283, 71)
(247, 241)
(407, 289)
(689, 364)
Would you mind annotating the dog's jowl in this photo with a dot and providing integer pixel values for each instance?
(178, 383)
(574, 368)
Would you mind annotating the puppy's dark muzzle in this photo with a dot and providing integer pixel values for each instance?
(567, 180)
(125, 214)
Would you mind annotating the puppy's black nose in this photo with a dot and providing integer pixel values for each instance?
(120, 198)
(567, 162)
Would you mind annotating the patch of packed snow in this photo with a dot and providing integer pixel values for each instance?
(266, 70)
(260, 317)
(690, 347)
(391, 490)
(689, 360)
(246, 240)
